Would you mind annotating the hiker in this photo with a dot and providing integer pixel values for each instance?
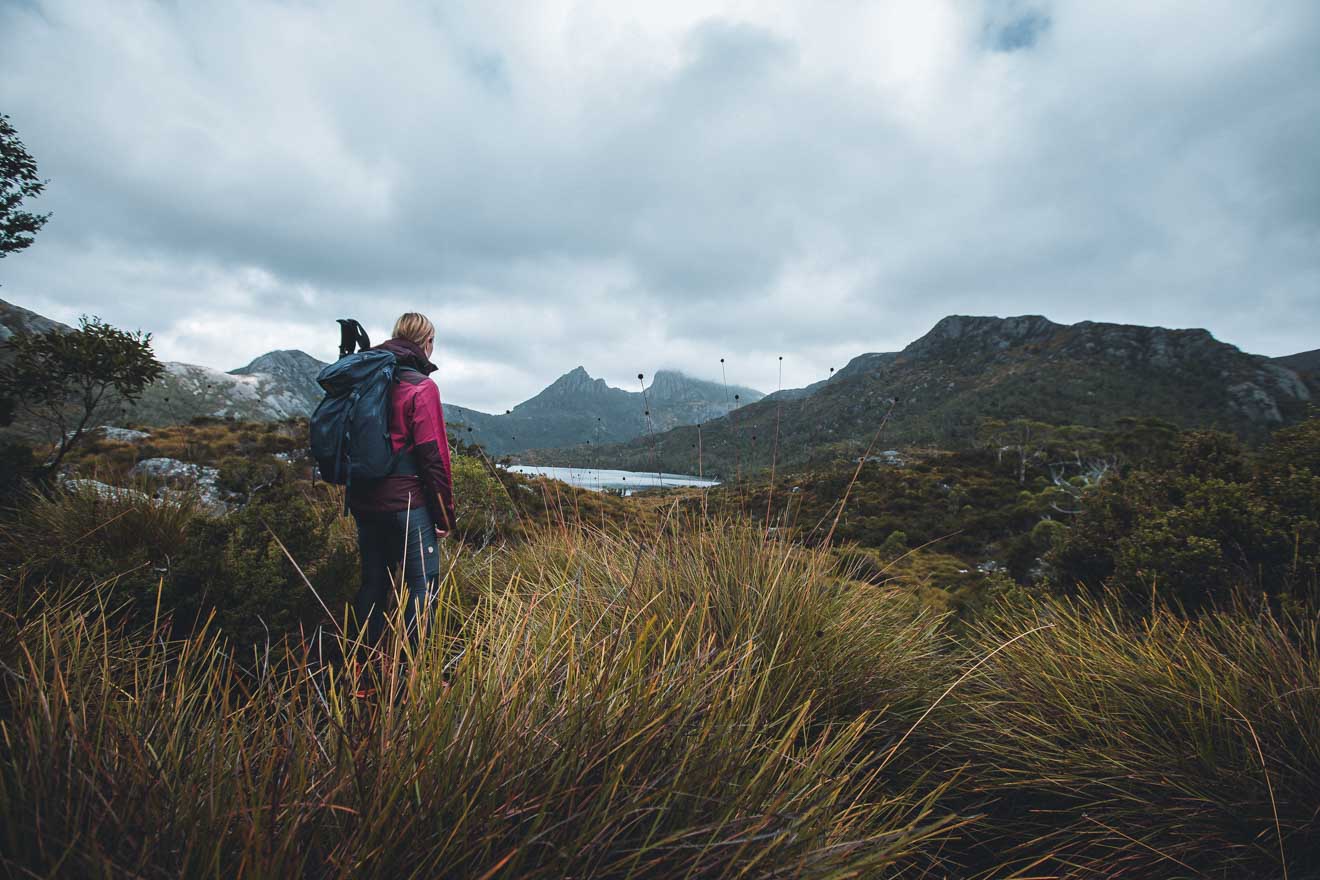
(408, 512)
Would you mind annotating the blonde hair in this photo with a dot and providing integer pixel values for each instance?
(414, 327)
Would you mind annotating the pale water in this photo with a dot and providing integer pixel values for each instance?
(600, 480)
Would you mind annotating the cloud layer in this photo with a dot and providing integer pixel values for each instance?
(634, 186)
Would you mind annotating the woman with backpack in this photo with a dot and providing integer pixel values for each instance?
(401, 517)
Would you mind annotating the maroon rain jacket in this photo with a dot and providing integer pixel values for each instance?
(417, 422)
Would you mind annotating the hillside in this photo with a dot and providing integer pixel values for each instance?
(277, 385)
(16, 319)
(187, 391)
(1303, 362)
(861, 364)
(970, 368)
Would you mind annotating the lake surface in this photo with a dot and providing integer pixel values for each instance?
(599, 480)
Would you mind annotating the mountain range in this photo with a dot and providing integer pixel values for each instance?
(939, 388)
(574, 409)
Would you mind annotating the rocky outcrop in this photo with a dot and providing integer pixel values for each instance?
(186, 391)
(172, 475)
(122, 435)
(104, 490)
(962, 333)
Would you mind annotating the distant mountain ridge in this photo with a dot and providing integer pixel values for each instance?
(967, 368)
(577, 409)
(574, 409)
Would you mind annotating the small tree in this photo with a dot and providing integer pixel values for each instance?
(69, 381)
(18, 181)
(1025, 440)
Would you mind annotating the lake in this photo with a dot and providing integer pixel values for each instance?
(600, 480)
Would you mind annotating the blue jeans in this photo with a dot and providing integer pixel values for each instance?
(386, 541)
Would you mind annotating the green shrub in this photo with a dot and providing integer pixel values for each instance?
(18, 465)
(895, 545)
(238, 567)
(81, 535)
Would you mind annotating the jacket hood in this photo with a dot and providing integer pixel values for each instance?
(408, 354)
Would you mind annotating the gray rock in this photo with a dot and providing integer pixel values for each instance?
(123, 435)
(1254, 402)
(181, 476)
(104, 490)
(1288, 380)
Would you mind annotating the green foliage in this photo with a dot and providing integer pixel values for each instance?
(244, 476)
(485, 508)
(895, 545)
(1213, 521)
(75, 536)
(18, 183)
(234, 567)
(69, 381)
(1047, 532)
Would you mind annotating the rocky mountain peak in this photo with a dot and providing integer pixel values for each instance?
(284, 362)
(669, 385)
(985, 332)
(576, 382)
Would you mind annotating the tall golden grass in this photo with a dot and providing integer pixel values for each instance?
(689, 699)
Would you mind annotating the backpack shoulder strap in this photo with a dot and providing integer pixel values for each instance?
(409, 375)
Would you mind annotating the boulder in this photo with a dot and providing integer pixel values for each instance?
(182, 476)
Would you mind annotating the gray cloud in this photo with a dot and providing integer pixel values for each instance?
(634, 186)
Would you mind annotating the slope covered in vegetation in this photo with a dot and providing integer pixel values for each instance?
(942, 387)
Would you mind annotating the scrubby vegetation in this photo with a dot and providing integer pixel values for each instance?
(1145, 510)
(677, 684)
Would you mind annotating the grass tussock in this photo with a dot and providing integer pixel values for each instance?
(1110, 745)
(611, 708)
(84, 535)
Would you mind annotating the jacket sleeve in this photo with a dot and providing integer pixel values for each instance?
(431, 451)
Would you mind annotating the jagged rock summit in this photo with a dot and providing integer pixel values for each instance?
(295, 370)
(579, 409)
(577, 383)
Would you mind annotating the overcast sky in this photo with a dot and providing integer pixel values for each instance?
(630, 186)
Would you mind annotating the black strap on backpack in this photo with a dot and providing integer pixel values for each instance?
(351, 335)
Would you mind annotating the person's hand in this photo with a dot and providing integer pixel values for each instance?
(440, 533)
